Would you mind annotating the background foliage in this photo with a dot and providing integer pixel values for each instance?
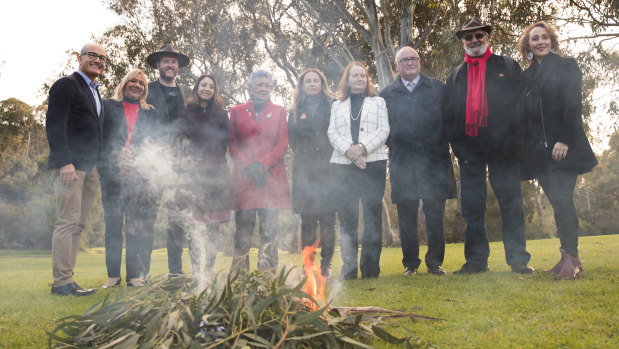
(231, 38)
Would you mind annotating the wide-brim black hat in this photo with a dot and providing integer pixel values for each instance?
(167, 50)
(473, 24)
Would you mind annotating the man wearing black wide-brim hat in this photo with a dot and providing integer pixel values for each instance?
(169, 98)
(483, 129)
(164, 94)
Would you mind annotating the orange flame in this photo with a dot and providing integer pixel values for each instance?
(316, 282)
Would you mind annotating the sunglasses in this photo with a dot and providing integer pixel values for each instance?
(478, 36)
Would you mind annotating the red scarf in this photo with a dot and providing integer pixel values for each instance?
(476, 99)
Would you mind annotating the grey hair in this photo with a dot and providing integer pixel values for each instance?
(260, 73)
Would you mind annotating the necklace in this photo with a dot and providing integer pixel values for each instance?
(358, 114)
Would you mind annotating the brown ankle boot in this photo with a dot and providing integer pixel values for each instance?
(558, 266)
(569, 270)
(577, 263)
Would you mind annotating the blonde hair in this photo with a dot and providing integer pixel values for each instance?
(523, 42)
(120, 89)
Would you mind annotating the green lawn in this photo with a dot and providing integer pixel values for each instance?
(495, 309)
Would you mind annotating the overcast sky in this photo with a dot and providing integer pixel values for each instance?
(35, 36)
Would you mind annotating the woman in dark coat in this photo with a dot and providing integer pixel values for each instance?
(556, 149)
(130, 126)
(312, 181)
(204, 193)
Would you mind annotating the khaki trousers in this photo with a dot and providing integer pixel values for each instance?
(72, 206)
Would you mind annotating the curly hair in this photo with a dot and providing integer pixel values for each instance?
(523, 42)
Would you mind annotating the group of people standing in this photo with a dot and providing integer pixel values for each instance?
(498, 120)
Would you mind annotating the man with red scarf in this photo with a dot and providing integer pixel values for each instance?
(482, 127)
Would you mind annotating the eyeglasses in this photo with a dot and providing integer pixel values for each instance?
(409, 60)
(93, 56)
(478, 36)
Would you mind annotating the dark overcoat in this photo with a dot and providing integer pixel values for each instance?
(202, 140)
(501, 138)
(552, 106)
(259, 138)
(312, 173)
(419, 160)
(73, 128)
(148, 125)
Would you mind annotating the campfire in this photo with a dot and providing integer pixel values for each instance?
(315, 282)
(250, 309)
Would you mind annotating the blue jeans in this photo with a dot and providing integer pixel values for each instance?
(504, 178)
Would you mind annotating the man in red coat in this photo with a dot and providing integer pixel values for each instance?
(258, 143)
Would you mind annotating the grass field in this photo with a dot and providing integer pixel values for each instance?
(495, 309)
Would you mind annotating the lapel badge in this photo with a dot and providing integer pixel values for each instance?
(269, 116)
(303, 116)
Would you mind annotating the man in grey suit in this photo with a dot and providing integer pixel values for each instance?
(169, 98)
(73, 125)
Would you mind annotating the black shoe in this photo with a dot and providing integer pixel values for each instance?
(409, 271)
(80, 288)
(436, 271)
(522, 268)
(472, 269)
(71, 289)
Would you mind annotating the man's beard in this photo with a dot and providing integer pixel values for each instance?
(166, 77)
(477, 51)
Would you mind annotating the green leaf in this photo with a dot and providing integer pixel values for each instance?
(386, 336)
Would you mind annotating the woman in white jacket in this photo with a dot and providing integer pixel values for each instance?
(358, 129)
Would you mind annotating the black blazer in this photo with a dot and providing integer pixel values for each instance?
(552, 107)
(419, 160)
(72, 124)
(115, 135)
(500, 139)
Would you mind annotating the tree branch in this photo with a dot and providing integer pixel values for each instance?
(428, 29)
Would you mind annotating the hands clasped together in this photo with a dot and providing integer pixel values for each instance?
(356, 154)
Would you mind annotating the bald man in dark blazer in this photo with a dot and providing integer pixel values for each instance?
(74, 122)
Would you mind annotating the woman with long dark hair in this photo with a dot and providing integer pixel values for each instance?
(126, 190)
(358, 129)
(312, 182)
(204, 192)
(556, 149)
